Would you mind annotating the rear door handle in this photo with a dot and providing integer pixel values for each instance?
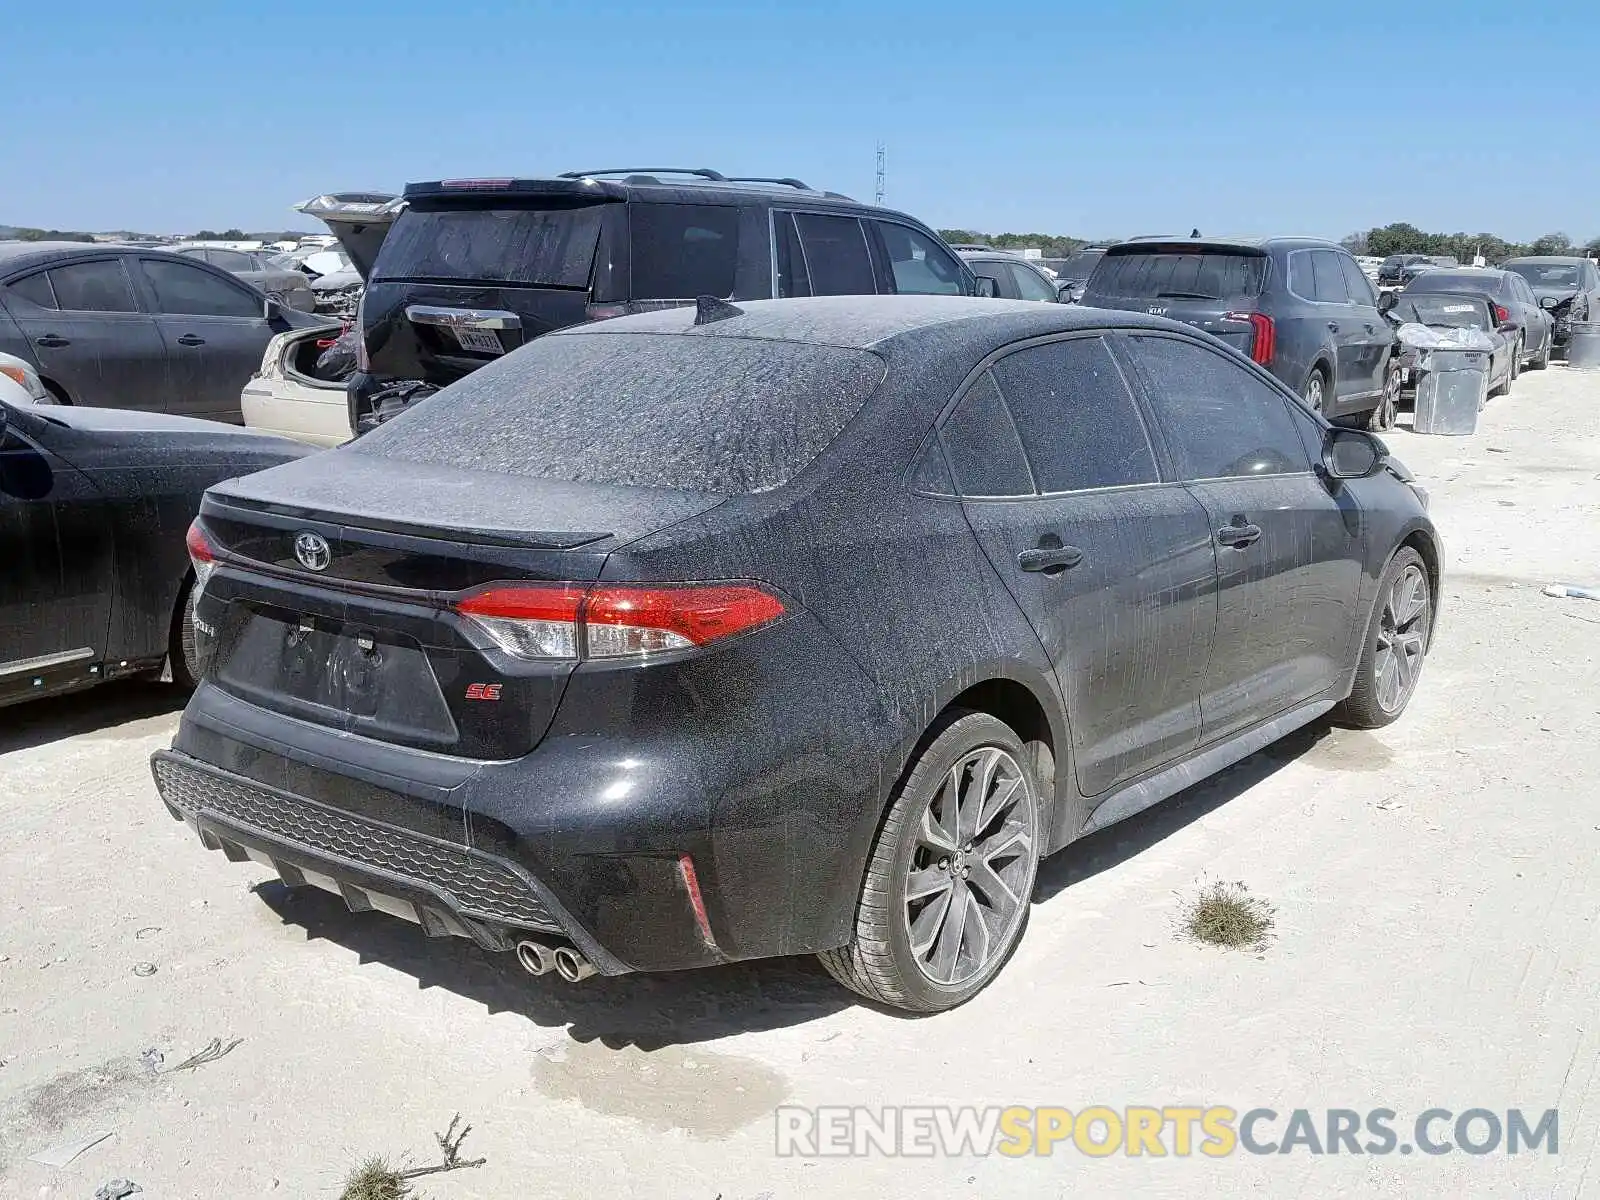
(1238, 535)
(52, 341)
(191, 339)
(1050, 559)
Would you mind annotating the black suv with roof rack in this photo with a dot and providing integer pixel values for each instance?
(462, 271)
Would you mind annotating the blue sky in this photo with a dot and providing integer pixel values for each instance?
(1092, 119)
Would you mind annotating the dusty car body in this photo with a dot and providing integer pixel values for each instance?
(94, 507)
(294, 394)
(287, 286)
(671, 640)
(1566, 287)
(1445, 313)
(1516, 310)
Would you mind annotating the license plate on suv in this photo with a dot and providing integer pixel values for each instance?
(481, 341)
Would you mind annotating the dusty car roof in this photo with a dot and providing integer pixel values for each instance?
(16, 254)
(864, 322)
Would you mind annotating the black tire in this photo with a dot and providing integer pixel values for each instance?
(1387, 414)
(1370, 705)
(879, 962)
(183, 651)
(1511, 375)
(1315, 392)
(1543, 360)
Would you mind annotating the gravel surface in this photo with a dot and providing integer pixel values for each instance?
(1436, 944)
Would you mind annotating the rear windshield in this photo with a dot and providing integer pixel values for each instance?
(1452, 312)
(553, 247)
(689, 412)
(1449, 281)
(1189, 274)
(1548, 275)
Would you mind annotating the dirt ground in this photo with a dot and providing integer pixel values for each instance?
(1436, 887)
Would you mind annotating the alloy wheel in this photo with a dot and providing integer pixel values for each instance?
(968, 880)
(1402, 639)
(1313, 395)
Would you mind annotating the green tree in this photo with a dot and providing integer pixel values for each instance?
(1552, 243)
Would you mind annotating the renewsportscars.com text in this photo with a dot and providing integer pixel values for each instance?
(1100, 1131)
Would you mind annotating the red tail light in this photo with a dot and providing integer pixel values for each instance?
(568, 621)
(1264, 344)
(604, 312)
(1502, 313)
(201, 555)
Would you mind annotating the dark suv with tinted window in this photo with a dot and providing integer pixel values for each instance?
(1301, 307)
(461, 272)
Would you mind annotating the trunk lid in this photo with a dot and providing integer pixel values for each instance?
(332, 601)
(360, 220)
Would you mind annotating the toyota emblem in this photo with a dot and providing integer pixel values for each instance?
(311, 549)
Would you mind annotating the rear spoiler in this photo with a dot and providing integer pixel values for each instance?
(571, 189)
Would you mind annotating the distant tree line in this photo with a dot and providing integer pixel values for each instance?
(1402, 238)
(1399, 238)
(51, 235)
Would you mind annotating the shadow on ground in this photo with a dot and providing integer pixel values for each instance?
(40, 722)
(680, 1008)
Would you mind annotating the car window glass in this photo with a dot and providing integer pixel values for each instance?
(931, 475)
(1327, 278)
(93, 287)
(792, 277)
(1357, 283)
(836, 255)
(231, 260)
(982, 445)
(683, 250)
(187, 290)
(35, 289)
(1079, 425)
(1220, 420)
(1029, 285)
(918, 264)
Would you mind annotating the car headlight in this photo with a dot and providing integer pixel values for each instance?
(23, 374)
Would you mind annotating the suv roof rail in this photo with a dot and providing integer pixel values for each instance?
(786, 181)
(701, 172)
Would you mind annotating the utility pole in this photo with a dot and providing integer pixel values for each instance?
(883, 172)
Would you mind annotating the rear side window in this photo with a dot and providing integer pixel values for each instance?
(917, 264)
(982, 445)
(836, 255)
(684, 411)
(1221, 422)
(793, 279)
(1357, 283)
(1078, 422)
(35, 289)
(93, 287)
(189, 291)
(683, 250)
(1173, 274)
(552, 247)
(231, 260)
(1329, 277)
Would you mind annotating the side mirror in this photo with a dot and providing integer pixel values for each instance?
(1549, 302)
(988, 287)
(1386, 302)
(272, 310)
(1064, 293)
(1352, 454)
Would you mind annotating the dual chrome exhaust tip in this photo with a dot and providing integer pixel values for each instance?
(540, 958)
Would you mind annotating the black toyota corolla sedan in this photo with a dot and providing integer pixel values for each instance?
(797, 626)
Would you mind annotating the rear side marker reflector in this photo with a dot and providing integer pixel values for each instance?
(697, 902)
(568, 621)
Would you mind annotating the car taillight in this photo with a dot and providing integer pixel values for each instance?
(363, 363)
(1502, 313)
(201, 555)
(604, 312)
(567, 621)
(1264, 344)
